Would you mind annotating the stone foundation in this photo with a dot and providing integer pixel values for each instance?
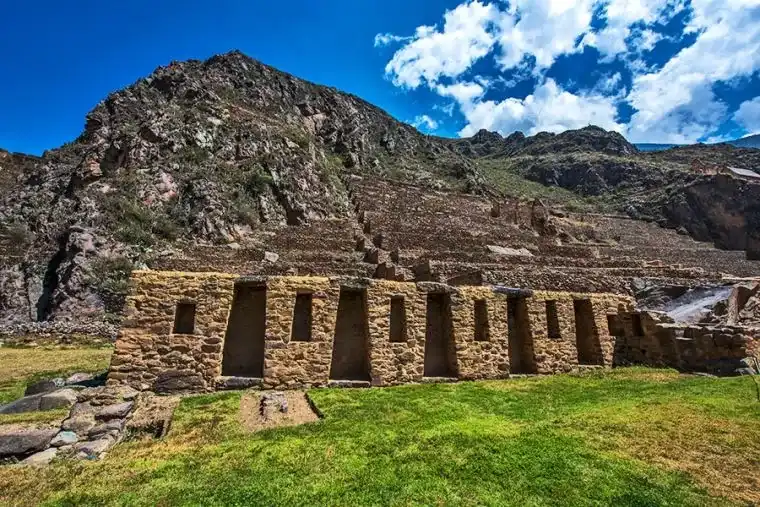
(473, 333)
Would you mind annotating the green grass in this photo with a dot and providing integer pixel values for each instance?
(22, 366)
(31, 418)
(504, 175)
(628, 437)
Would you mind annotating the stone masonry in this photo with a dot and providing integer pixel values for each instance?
(174, 336)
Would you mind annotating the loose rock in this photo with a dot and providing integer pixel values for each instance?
(19, 442)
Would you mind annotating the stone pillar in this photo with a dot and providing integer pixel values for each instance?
(488, 359)
(299, 364)
(395, 362)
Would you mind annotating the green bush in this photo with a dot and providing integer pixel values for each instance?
(111, 274)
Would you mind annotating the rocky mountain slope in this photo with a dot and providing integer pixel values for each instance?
(208, 153)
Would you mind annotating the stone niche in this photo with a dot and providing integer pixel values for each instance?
(196, 332)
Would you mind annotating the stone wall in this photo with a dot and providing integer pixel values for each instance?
(719, 350)
(298, 346)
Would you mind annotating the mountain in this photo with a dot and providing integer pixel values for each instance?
(231, 152)
(654, 146)
(747, 142)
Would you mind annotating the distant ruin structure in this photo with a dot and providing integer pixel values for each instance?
(197, 332)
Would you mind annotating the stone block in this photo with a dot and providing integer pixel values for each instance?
(25, 404)
(41, 458)
(19, 442)
(64, 438)
(63, 398)
(44, 386)
(119, 410)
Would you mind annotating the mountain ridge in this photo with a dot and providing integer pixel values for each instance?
(217, 152)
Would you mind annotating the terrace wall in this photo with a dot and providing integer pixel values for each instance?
(153, 353)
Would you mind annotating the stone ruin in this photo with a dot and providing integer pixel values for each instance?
(415, 288)
(196, 332)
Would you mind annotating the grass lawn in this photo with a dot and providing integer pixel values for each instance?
(19, 366)
(627, 437)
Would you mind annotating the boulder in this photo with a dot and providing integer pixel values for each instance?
(271, 257)
(79, 424)
(41, 458)
(119, 410)
(93, 449)
(79, 378)
(44, 386)
(64, 438)
(63, 398)
(25, 404)
(19, 442)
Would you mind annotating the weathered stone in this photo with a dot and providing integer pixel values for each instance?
(79, 378)
(119, 410)
(271, 257)
(64, 438)
(228, 383)
(63, 398)
(19, 442)
(44, 386)
(79, 424)
(41, 458)
(25, 404)
(93, 449)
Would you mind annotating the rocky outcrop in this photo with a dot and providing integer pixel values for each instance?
(223, 151)
(197, 153)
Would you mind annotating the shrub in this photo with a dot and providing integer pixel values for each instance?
(111, 274)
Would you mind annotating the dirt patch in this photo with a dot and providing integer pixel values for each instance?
(264, 410)
(153, 416)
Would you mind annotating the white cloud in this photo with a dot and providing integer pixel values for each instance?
(609, 84)
(687, 123)
(432, 54)
(677, 100)
(549, 108)
(646, 40)
(542, 29)
(464, 93)
(385, 39)
(425, 122)
(748, 115)
(672, 102)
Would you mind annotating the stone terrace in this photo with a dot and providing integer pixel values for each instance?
(404, 232)
(459, 238)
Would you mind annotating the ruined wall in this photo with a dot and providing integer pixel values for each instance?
(148, 355)
(646, 339)
(302, 319)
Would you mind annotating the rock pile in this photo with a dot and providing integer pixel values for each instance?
(96, 421)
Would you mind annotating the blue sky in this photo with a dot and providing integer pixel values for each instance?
(654, 70)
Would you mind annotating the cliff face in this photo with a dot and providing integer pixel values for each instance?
(209, 153)
(198, 152)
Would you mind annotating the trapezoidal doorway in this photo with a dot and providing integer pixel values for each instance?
(246, 329)
(350, 356)
(587, 334)
(520, 336)
(440, 355)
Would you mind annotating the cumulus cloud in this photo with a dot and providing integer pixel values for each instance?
(671, 102)
(728, 46)
(549, 108)
(748, 115)
(425, 122)
(431, 53)
(541, 30)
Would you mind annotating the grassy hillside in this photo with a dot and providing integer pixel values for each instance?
(626, 437)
